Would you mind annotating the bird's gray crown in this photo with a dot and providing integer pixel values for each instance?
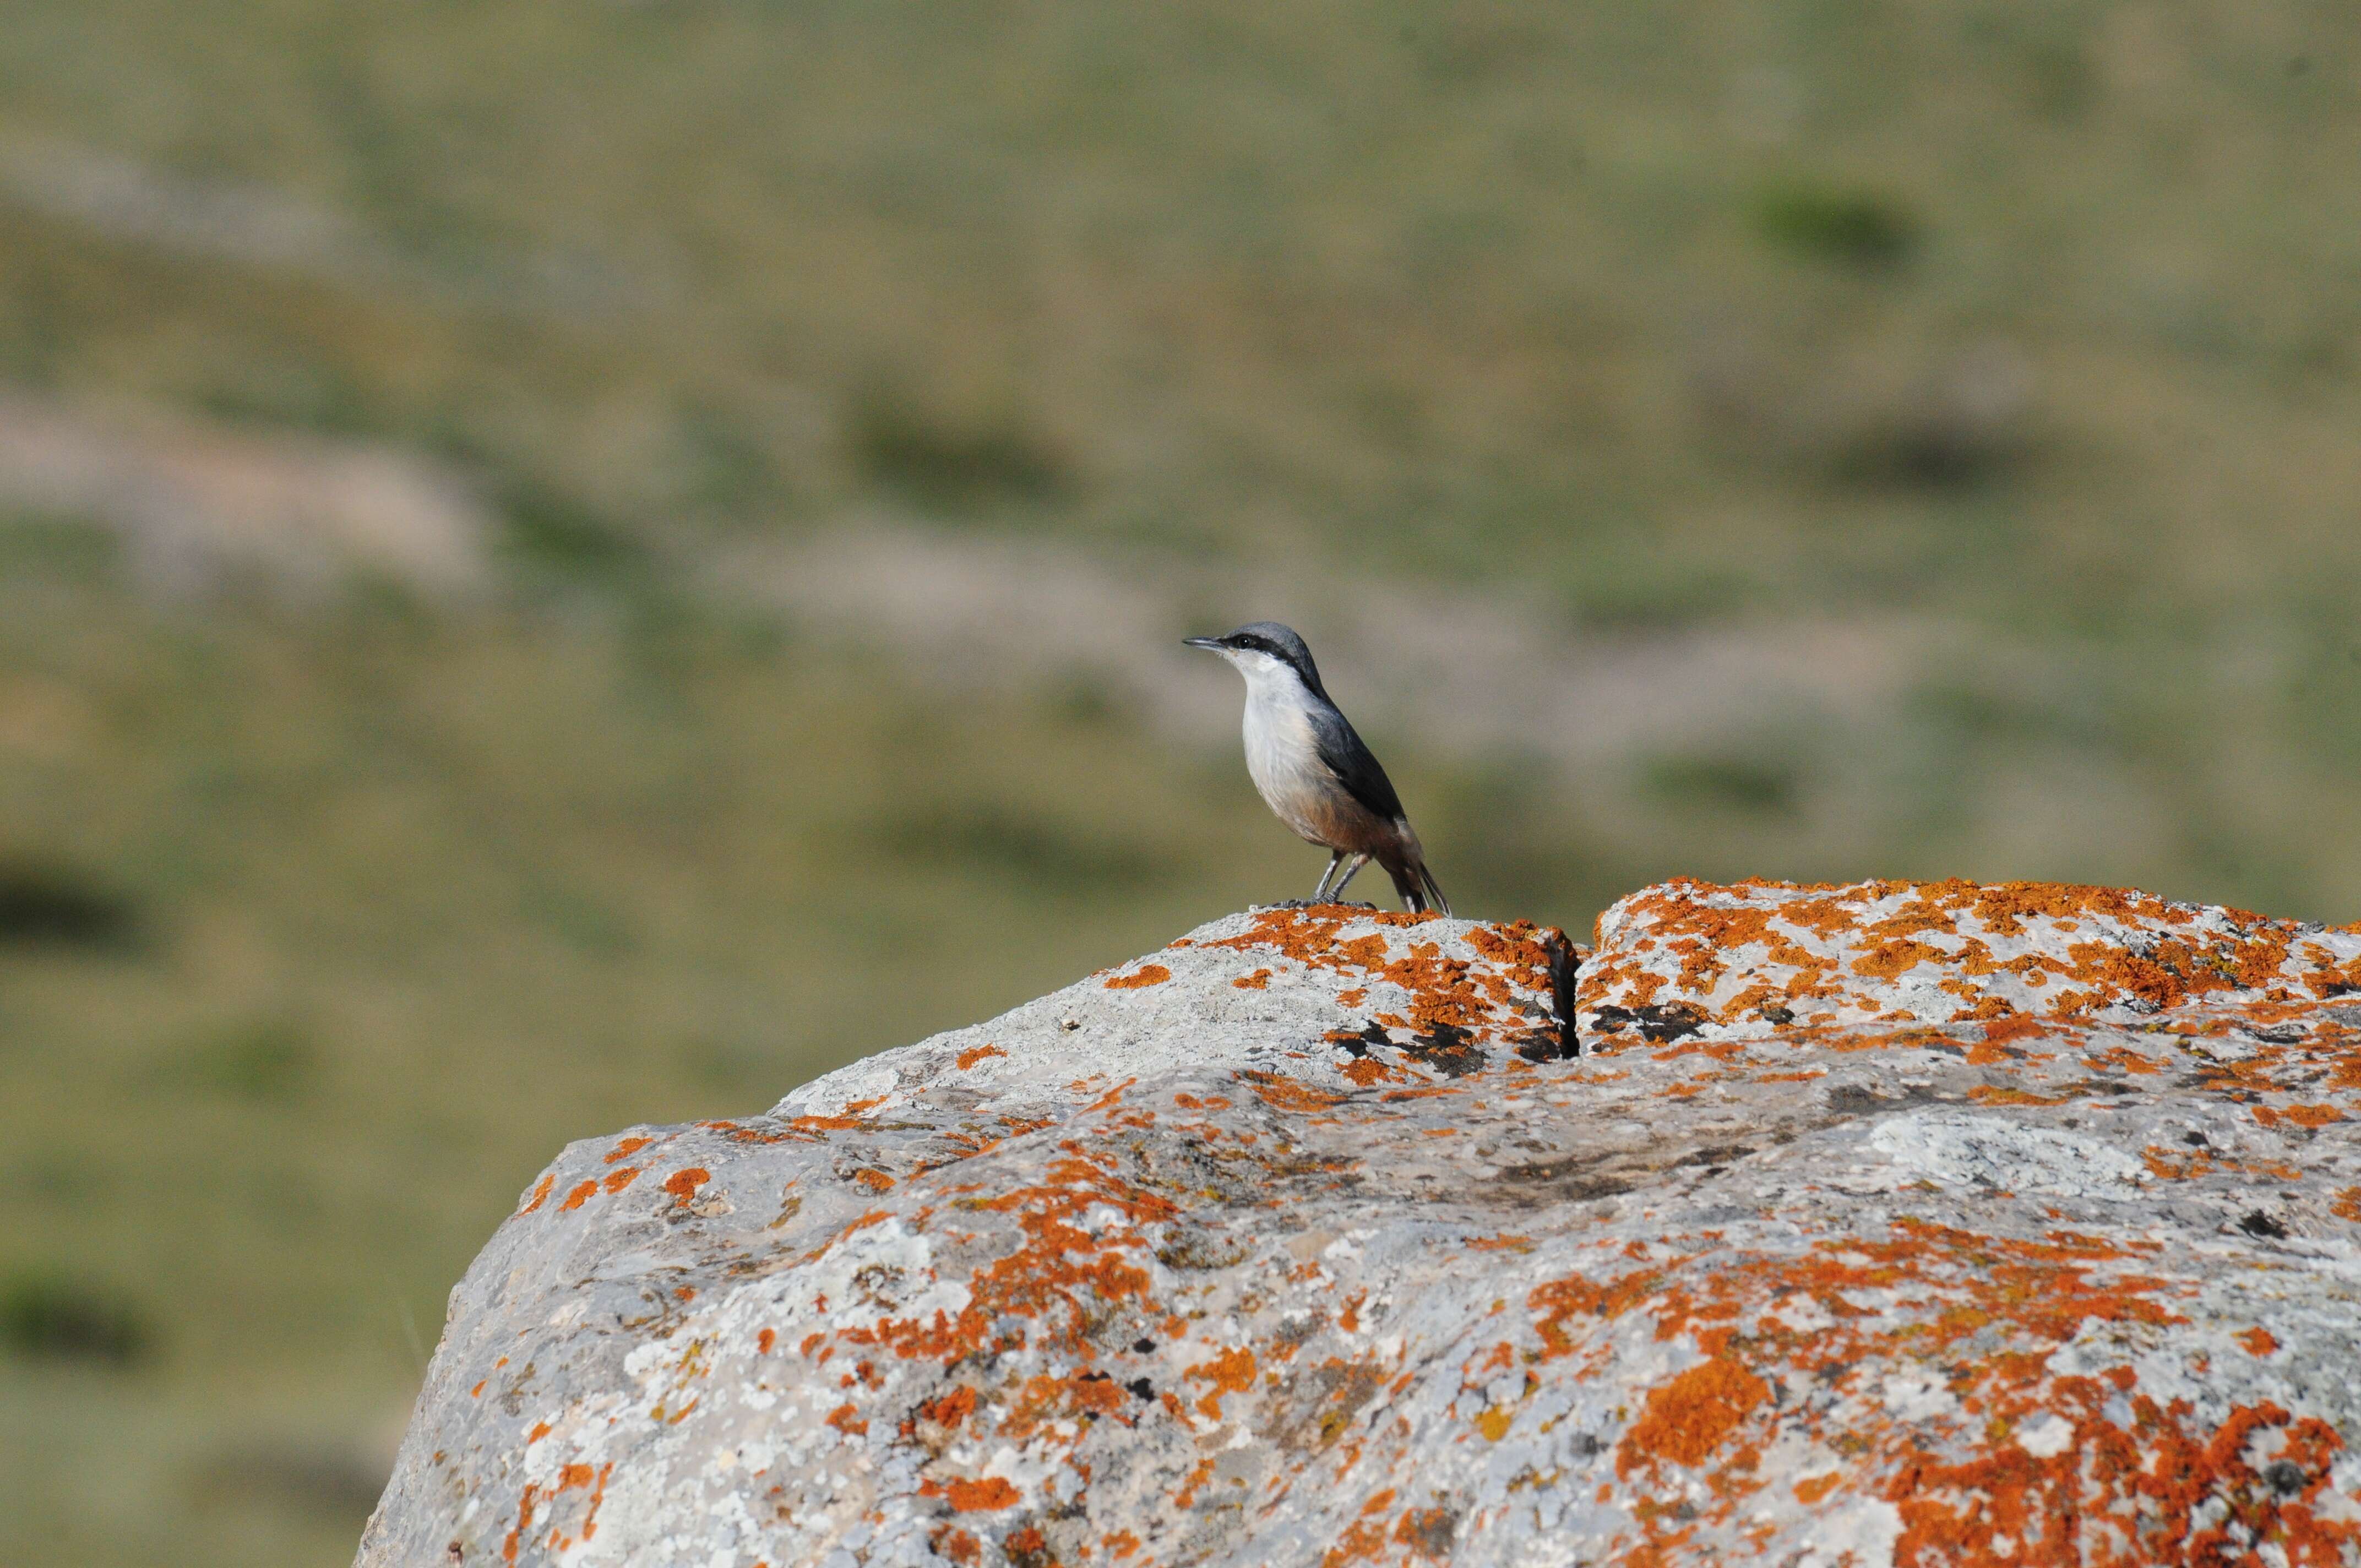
(1269, 637)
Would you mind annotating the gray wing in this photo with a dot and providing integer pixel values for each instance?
(1356, 768)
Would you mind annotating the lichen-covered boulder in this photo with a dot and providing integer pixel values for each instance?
(1895, 1223)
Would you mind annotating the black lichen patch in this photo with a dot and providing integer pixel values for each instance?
(1658, 1022)
(2263, 1225)
(1357, 1045)
(1448, 1049)
(1548, 1045)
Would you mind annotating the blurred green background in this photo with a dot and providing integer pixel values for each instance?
(572, 563)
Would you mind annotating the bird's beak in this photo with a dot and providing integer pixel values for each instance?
(1212, 643)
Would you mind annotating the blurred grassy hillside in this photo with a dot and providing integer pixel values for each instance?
(2009, 355)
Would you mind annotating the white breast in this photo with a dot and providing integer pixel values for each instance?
(1282, 755)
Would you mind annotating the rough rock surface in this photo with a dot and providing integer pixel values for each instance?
(1909, 1223)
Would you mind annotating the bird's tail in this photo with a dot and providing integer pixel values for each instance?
(1416, 886)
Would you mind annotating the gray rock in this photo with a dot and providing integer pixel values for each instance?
(1299, 1243)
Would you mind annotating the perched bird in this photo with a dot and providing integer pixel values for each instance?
(1315, 773)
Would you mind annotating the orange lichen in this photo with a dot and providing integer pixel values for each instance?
(974, 1054)
(2154, 1481)
(1282, 1093)
(1502, 1243)
(949, 1410)
(579, 1196)
(1231, 1372)
(1992, 1094)
(1187, 1495)
(1444, 993)
(2151, 1492)
(808, 1129)
(1891, 960)
(984, 1496)
(619, 1180)
(1688, 1418)
(627, 1148)
(515, 1536)
(1363, 1541)
(1146, 974)
(682, 1184)
(540, 1194)
(1059, 1276)
(1741, 952)
(1426, 1531)
(598, 1486)
(1812, 1488)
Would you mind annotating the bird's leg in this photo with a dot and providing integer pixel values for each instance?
(1320, 890)
(1352, 869)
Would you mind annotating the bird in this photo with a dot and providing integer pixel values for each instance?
(1313, 772)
